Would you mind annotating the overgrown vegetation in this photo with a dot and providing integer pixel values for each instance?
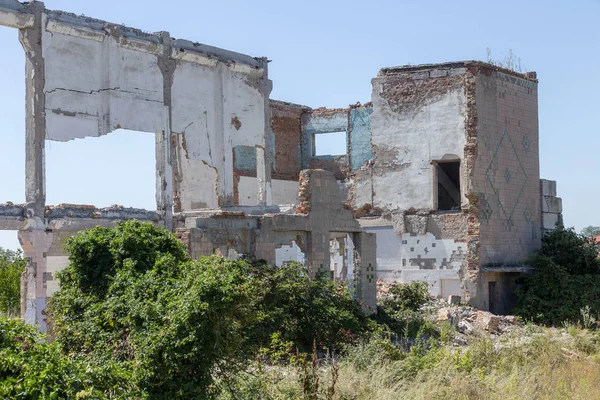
(565, 279)
(136, 318)
(132, 297)
(12, 266)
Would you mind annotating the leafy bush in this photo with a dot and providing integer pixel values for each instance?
(32, 368)
(399, 311)
(406, 296)
(304, 311)
(132, 297)
(12, 266)
(564, 280)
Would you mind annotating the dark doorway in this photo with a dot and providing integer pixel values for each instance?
(493, 297)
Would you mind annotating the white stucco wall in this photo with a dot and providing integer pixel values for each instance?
(95, 84)
(283, 192)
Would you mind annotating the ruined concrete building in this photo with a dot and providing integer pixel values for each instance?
(437, 180)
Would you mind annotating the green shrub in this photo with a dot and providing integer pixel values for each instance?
(12, 265)
(406, 296)
(565, 279)
(131, 296)
(32, 368)
(304, 311)
(399, 310)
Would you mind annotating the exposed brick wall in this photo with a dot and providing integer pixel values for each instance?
(286, 125)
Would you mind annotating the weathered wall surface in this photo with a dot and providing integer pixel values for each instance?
(325, 121)
(361, 149)
(418, 117)
(551, 206)
(286, 122)
(284, 192)
(200, 101)
(304, 235)
(506, 173)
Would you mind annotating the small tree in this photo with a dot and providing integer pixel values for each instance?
(590, 231)
(12, 265)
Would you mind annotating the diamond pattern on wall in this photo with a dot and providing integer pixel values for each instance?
(527, 213)
(486, 211)
(508, 185)
(526, 144)
(507, 175)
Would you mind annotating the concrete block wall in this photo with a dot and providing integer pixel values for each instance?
(551, 206)
(506, 172)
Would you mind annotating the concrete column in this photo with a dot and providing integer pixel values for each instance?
(35, 118)
(317, 252)
(165, 155)
(263, 155)
(365, 270)
(35, 244)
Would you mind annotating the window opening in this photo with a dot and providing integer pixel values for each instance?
(331, 144)
(448, 185)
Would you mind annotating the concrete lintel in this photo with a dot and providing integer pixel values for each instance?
(15, 15)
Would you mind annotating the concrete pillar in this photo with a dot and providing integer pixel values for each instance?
(35, 244)
(317, 252)
(365, 270)
(263, 154)
(35, 118)
(165, 155)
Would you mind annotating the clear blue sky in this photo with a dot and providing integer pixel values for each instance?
(325, 53)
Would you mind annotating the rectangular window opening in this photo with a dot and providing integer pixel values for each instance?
(12, 118)
(448, 186)
(9, 240)
(117, 168)
(330, 144)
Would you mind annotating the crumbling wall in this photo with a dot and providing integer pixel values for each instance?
(325, 120)
(319, 217)
(285, 132)
(200, 101)
(506, 171)
(361, 149)
(418, 117)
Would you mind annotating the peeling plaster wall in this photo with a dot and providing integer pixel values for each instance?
(506, 172)
(417, 118)
(361, 149)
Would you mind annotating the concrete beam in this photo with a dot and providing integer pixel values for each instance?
(16, 15)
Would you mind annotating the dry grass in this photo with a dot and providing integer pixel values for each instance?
(536, 364)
